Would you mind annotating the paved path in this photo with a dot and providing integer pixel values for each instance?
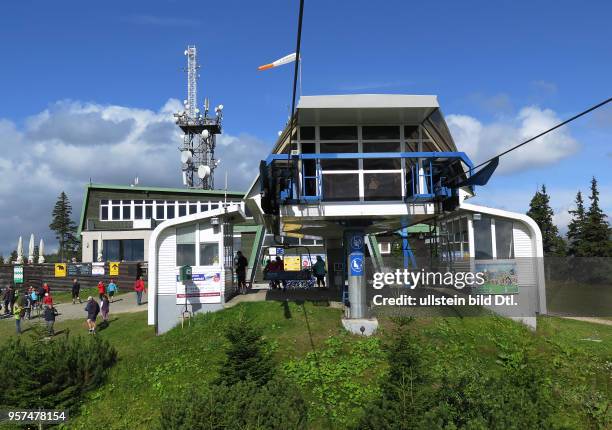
(122, 303)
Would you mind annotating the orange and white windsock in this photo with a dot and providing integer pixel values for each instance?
(285, 60)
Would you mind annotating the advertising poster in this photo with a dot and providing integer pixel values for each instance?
(97, 269)
(500, 278)
(204, 287)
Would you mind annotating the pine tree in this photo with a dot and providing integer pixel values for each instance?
(596, 230)
(575, 229)
(1, 259)
(64, 227)
(13, 256)
(542, 214)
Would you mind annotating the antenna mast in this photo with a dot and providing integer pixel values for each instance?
(200, 131)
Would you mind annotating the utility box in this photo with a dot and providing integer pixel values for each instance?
(185, 273)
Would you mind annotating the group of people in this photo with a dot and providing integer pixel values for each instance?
(276, 265)
(21, 304)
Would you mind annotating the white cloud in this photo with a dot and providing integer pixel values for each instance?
(62, 147)
(483, 141)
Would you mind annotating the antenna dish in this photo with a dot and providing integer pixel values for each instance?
(205, 134)
(220, 107)
(203, 172)
(185, 53)
(186, 156)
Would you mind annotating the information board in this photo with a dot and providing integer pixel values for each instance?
(204, 287)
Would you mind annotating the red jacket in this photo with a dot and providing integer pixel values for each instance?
(48, 300)
(101, 288)
(139, 285)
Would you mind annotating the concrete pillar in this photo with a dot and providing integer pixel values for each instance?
(353, 244)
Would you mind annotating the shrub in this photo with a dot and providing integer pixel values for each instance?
(52, 375)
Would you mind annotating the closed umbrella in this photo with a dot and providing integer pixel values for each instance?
(41, 252)
(31, 249)
(20, 251)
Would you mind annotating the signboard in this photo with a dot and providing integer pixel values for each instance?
(204, 287)
(500, 278)
(356, 263)
(97, 269)
(113, 268)
(60, 270)
(280, 251)
(356, 242)
(292, 263)
(76, 270)
(18, 274)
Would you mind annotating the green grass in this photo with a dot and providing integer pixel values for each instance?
(150, 367)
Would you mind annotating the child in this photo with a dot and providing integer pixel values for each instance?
(112, 289)
(105, 308)
(101, 289)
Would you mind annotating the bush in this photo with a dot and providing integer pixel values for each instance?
(52, 375)
(243, 405)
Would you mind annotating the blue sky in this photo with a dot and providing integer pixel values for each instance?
(486, 61)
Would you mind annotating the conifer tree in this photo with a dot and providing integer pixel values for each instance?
(575, 229)
(13, 256)
(64, 227)
(596, 230)
(1, 259)
(542, 214)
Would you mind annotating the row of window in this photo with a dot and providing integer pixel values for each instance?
(120, 250)
(371, 132)
(130, 210)
(187, 253)
(493, 238)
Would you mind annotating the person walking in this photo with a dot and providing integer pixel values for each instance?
(76, 291)
(47, 288)
(101, 289)
(241, 266)
(93, 309)
(319, 271)
(111, 289)
(49, 315)
(139, 287)
(18, 311)
(7, 299)
(105, 308)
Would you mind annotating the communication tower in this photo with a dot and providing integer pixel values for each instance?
(200, 131)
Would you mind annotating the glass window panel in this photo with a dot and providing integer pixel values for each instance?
(308, 148)
(149, 202)
(170, 212)
(203, 206)
(382, 186)
(138, 202)
(214, 206)
(291, 240)
(341, 187)
(104, 214)
(429, 146)
(116, 213)
(193, 208)
(111, 250)
(186, 234)
(209, 254)
(104, 202)
(127, 212)
(339, 147)
(115, 202)
(126, 202)
(482, 238)
(133, 249)
(382, 164)
(338, 133)
(381, 147)
(309, 167)
(411, 132)
(185, 254)
(339, 164)
(137, 212)
(148, 212)
(159, 211)
(503, 239)
(307, 133)
(182, 210)
(380, 132)
(95, 250)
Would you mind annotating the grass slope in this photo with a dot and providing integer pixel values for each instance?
(345, 371)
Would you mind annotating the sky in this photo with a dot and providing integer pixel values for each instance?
(87, 89)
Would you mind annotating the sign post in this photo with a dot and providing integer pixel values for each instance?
(113, 268)
(354, 241)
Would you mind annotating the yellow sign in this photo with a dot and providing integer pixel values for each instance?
(113, 268)
(60, 270)
(293, 263)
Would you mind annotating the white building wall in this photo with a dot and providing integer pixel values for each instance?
(89, 236)
(166, 268)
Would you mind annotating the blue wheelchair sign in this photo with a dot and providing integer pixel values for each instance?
(356, 242)
(356, 263)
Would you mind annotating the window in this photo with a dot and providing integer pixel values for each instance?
(203, 206)
(185, 246)
(148, 211)
(338, 165)
(308, 148)
(209, 254)
(504, 244)
(159, 210)
(411, 132)
(380, 132)
(341, 187)
(127, 212)
(193, 208)
(104, 213)
(116, 213)
(382, 164)
(120, 250)
(182, 211)
(483, 242)
(382, 186)
(381, 147)
(307, 133)
(170, 210)
(338, 147)
(138, 212)
(338, 133)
